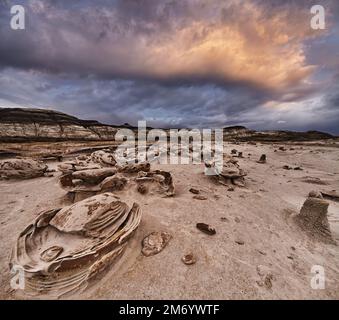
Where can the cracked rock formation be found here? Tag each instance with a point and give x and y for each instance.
(103, 158)
(155, 242)
(161, 180)
(82, 181)
(22, 169)
(64, 248)
(231, 173)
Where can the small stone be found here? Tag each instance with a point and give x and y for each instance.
(154, 243)
(195, 191)
(240, 242)
(313, 219)
(330, 195)
(142, 188)
(206, 228)
(268, 281)
(230, 189)
(237, 220)
(189, 259)
(315, 194)
(224, 219)
(266, 276)
(199, 197)
(262, 159)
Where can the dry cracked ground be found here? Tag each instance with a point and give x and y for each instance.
(258, 251)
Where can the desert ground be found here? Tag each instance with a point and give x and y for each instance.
(258, 251)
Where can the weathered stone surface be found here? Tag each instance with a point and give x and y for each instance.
(194, 191)
(103, 158)
(142, 188)
(162, 180)
(86, 180)
(205, 228)
(199, 197)
(189, 259)
(315, 194)
(22, 168)
(155, 242)
(135, 168)
(330, 195)
(231, 173)
(93, 176)
(262, 159)
(266, 277)
(63, 249)
(313, 219)
(113, 183)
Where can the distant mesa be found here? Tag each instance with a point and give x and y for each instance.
(241, 133)
(33, 125)
(235, 128)
(21, 124)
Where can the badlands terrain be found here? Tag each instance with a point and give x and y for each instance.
(83, 227)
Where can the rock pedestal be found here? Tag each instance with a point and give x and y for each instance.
(313, 219)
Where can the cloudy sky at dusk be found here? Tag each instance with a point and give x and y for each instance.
(175, 63)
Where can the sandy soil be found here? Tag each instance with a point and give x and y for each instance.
(258, 215)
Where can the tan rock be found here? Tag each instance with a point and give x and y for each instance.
(155, 242)
(63, 249)
(25, 168)
(313, 219)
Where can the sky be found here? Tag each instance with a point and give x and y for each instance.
(175, 63)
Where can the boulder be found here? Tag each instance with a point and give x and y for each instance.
(64, 248)
(230, 174)
(262, 159)
(313, 219)
(25, 168)
(103, 158)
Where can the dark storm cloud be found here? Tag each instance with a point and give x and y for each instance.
(172, 42)
(173, 63)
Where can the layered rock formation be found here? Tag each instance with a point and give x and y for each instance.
(18, 124)
(64, 248)
(23, 124)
